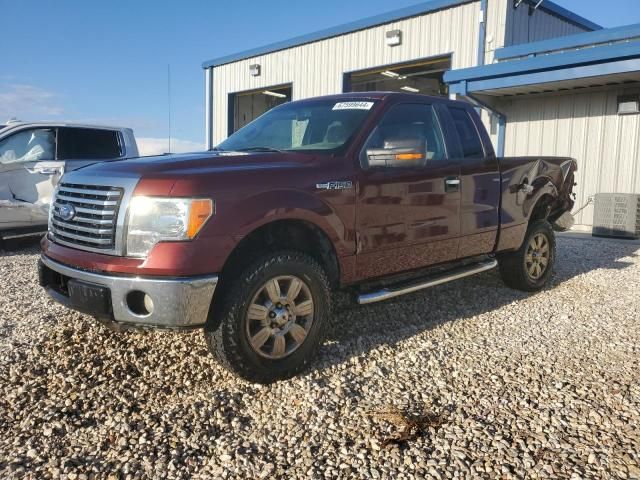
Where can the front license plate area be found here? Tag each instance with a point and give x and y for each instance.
(89, 297)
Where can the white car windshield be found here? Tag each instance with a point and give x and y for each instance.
(314, 125)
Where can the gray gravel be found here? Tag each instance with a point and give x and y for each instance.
(512, 386)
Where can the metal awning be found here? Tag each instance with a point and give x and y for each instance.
(573, 63)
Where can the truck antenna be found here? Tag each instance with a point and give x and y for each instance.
(169, 100)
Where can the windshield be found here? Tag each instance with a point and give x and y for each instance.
(315, 125)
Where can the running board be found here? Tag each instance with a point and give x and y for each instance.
(453, 274)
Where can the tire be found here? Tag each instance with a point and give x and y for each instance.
(525, 269)
(239, 335)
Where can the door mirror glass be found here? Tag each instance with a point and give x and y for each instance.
(399, 152)
(31, 145)
(408, 135)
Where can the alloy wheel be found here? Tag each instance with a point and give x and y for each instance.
(279, 317)
(536, 259)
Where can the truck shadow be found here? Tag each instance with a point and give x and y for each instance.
(357, 330)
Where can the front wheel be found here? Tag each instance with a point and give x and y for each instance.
(530, 267)
(273, 318)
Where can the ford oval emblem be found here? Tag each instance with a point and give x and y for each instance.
(67, 212)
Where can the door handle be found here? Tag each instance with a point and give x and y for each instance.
(452, 184)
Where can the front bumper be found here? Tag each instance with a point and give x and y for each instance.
(130, 301)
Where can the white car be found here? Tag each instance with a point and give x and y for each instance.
(33, 157)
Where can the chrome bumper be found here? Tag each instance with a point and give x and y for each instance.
(178, 303)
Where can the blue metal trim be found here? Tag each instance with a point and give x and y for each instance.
(482, 36)
(568, 15)
(231, 100)
(546, 63)
(482, 104)
(502, 131)
(571, 41)
(569, 73)
(407, 12)
(209, 108)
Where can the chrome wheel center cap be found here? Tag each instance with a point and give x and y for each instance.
(282, 316)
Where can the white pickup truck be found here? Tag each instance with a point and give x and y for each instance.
(33, 157)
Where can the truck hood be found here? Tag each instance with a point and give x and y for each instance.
(188, 164)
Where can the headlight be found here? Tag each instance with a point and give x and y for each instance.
(155, 219)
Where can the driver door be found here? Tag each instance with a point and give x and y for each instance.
(29, 172)
(408, 210)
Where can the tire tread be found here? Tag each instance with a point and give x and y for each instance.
(222, 339)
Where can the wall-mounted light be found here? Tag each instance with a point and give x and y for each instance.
(393, 37)
(254, 70)
(274, 94)
(628, 104)
(390, 74)
(407, 88)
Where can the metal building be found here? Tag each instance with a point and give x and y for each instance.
(413, 46)
(576, 96)
(455, 47)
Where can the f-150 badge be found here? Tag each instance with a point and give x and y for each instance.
(336, 185)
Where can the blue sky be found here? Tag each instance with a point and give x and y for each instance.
(106, 61)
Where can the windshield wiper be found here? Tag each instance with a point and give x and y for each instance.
(258, 149)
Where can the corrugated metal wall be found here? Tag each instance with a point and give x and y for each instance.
(522, 28)
(506, 26)
(585, 126)
(317, 68)
(496, 26)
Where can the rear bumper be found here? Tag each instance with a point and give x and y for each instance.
(130, 301)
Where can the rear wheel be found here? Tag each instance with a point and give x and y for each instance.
(530, 267)
(272, 319)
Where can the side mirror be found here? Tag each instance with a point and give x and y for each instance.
(399, 152)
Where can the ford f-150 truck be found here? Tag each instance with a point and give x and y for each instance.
(373, 194)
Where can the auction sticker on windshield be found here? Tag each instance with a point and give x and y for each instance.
(353, 106)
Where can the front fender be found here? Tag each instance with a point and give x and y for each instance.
(331, 211)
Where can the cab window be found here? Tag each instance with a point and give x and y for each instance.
(32, 145)
(88, 144)
(468, 133)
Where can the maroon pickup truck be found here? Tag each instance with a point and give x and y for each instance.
(374, 194)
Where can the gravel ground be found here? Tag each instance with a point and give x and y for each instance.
(469, 379)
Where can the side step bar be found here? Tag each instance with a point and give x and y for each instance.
(449, 276)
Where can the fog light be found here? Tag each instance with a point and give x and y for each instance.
(148, 303)
(139, 303)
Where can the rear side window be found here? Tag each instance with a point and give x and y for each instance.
(88, 144)
(468, 133)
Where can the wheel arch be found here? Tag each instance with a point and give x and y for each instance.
(281, 234)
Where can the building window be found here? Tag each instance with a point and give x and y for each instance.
(244, 107)
(423, 77)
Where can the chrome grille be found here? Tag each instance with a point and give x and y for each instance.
(93, 227)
